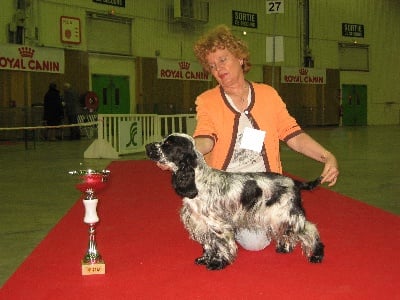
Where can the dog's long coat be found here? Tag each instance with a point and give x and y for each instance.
(216, 204)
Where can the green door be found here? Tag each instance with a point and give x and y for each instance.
(354, 104)
(113, 93)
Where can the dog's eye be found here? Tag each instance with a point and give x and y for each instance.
(167, 144)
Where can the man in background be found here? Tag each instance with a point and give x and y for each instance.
(72, 108)
(53, 111)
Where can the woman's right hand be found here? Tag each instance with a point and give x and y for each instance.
(163, 167)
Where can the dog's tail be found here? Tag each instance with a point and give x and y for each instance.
(310, 185)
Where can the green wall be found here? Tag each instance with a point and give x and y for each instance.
(153, 30)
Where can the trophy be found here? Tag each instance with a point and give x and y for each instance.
(92, 181)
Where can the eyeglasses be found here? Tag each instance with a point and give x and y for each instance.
(221, 62)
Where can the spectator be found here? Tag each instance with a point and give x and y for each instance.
(53, 110)
(72, 108)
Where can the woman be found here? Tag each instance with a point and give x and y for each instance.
(240, 123)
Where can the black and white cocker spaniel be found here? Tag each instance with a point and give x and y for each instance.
(216, 204)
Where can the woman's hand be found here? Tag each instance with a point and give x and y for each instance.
(306, 145)
(330, 172)
(163, 167)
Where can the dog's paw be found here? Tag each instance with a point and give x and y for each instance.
(318, 254)
(211, 263)
(283, 248)
(315, 259)
(216, 264)
(202, 260)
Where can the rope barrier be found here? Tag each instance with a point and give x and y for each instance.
(86, 124)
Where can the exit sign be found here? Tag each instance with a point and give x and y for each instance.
(352, 30)
(244, 19)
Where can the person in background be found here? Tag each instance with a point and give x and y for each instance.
(241, 123)
(72, 108)
(53, 110)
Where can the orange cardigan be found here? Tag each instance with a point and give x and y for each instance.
(218, 120)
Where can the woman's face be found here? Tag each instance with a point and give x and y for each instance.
(225, 67)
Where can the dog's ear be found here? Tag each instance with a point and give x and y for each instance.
(183, 180)
(189, 160)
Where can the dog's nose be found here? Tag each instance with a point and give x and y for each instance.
(149, 148)
(152, 151)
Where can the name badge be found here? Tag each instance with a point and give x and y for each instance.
(253, 139)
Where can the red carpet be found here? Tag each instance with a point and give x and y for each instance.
(148, 254)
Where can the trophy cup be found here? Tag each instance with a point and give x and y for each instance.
(92, 180)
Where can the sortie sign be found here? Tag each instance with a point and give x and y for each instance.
(244, 19)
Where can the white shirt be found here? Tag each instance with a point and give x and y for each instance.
(244, 160)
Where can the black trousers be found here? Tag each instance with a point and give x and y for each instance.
(75, 132)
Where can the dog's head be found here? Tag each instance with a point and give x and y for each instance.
(174, 151)
(177, 153)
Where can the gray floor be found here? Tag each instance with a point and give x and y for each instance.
(36, 190)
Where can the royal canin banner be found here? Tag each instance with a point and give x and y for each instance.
(303, 75)
(31, 59)
(181, 70)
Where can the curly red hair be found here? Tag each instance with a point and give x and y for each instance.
(221, 37)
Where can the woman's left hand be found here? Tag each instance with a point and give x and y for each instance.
(330, 172)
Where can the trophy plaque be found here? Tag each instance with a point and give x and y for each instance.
(91, 181)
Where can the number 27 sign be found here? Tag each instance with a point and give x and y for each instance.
(275, 7)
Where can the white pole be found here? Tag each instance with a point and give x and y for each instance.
(273, 51)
